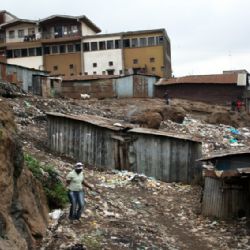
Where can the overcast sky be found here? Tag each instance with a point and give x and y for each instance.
(207, 36)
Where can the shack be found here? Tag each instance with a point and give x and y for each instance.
(107, 144)
(25, 77)
(215, 88)
(108, 86)
(227, 185)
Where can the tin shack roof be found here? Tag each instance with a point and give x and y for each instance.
(200, 79)
(224, 155)
(96, 120)
(163, 133)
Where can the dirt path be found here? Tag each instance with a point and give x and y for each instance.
(138, 213)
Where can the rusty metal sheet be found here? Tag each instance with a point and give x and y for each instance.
(140, 86)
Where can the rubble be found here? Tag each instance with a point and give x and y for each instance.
(129, 210)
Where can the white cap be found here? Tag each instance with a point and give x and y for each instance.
(78, 165)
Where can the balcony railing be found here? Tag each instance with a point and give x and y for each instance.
(41, 35)
(55, 35)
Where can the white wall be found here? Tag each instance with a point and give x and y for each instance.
(86, 30)
(8, 17)
(24, 27)
(35, 62)
(102, 57)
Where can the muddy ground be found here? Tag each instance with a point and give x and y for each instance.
(131, 211)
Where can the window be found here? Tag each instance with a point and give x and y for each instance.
(24, 52)
(104, 72)
(118, 44)
(143, 42)
(47, 50)
(11, 34)
(162, 68)
(126, 43)
(70, 48)
(135, 61)
(110, 44)
(152, 59)
(94, 65)
(20, 33)
(78, 47)
(9, 53)
(151, 41)
(55, 68)
(94, 73)
(54, 49)
(86, 47)
(62, 49)
(71, 66)
(160, 39)
(120, 72)
(38, 51)
(102, 45)
(94, 46)
(153, 68)
(110, 63)
(16, 53)
(85, 73)
(32, 51)
(134, 42)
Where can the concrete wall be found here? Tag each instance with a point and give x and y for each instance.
(102, 58)
(35, 62)
(143, 56)
(96, 89)
(63, 62)
(86, 30)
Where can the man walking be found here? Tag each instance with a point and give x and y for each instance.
(75, 181)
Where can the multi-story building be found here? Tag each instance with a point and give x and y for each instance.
(71, 45)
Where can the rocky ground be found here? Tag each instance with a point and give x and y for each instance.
(132, 211)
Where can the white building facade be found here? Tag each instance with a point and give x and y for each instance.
(102, 55)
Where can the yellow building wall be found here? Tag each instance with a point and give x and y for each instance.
(63, 62)
(143, 56)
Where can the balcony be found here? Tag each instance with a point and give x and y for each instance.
(58, 35)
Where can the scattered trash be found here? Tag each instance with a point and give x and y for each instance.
(56, 214)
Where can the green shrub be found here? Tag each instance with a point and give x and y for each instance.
(54, 189)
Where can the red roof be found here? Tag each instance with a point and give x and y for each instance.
(201, 79)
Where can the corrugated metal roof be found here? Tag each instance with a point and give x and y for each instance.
(224, 154)
(200, 79)
(162, 133)
(95, 120)
(88, 77)
(97, 77)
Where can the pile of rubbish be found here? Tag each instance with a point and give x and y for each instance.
(10, 90)
(215, 138)
(132, 211)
